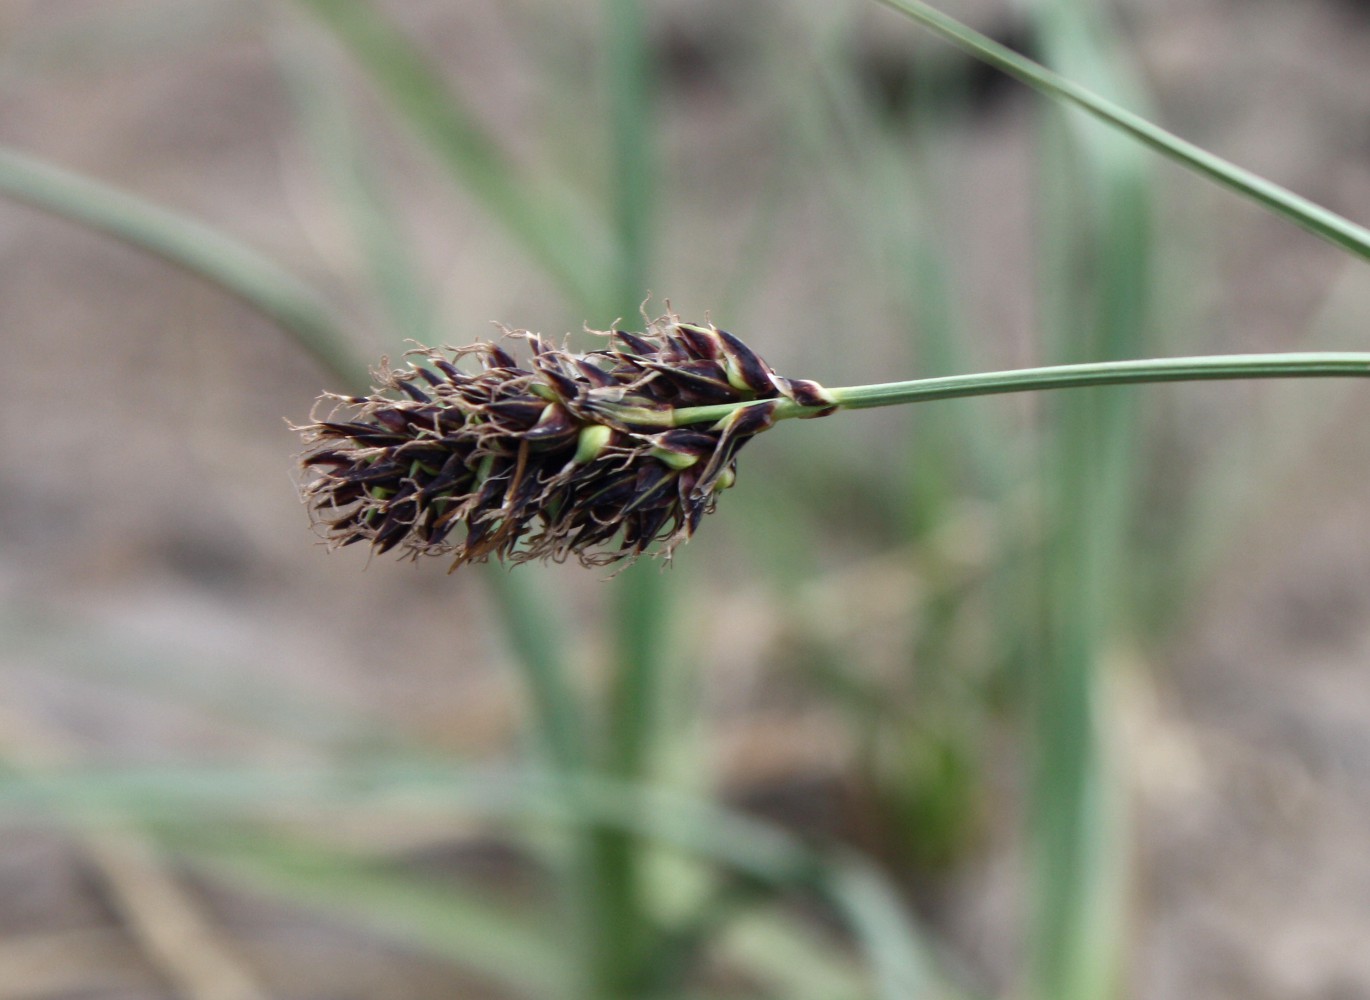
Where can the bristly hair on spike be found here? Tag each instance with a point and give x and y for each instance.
(570, 455)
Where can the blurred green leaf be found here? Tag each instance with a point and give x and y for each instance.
(625, 933)
(56, 641)
(1279, 200)
(442, 917)
(194, 246)
(192, 797)
(538, 645)
(378, 232)
(572, 249)
(1099, 227)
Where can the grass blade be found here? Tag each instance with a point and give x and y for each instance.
(789, 964)
(194, 246)
(1078, 864)
(444, 919)
(55, 640)
(567, 247)
(1313, 217)
(378, 235)
(903, 969)
(424, 788)
(640, 589)
(622, 932)
(535, 639)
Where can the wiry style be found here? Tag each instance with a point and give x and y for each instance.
(575, 454)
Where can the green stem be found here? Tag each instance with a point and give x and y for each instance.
(547, 227)
(618, 913)
(536, 639)
(1313, 217)
(1196, 369)
(189, 244)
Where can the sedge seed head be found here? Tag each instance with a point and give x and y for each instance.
(467, 453)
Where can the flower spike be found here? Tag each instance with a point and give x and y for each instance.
(574, 455)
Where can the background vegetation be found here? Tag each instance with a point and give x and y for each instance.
(1053, 697)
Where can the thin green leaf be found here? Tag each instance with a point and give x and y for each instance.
(419, 788)
(1299, 210)
(893, 947)
(189, 244)
(444, 918)
(537, 646)
(790, 961)
(622, 933)
(378, 234)
(1101, 289)
(630, 84)
(55, 640)
(640, 605)
(569, 248)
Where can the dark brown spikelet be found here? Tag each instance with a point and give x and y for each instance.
(572, 454)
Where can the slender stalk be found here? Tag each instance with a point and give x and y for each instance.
(1098, 284)
(549, 228)
(342, 157)
(1194, 369)
(535, 638)
(1299, 210)
(194, 246)
(620, 931)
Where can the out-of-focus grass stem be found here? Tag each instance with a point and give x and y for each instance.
(640, 592)
(621, 935)
(538, 650)
(1318, 220)
(189, 244)
(378, 235)
(1078, 864)
(570, 248)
